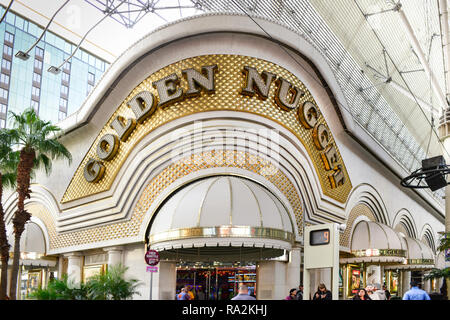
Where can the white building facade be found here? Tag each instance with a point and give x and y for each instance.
(215, 145)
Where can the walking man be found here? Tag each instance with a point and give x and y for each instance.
(415, 293)
(243, 294)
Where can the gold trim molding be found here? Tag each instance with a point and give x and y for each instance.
(379, 253)
(222, 232)
(111, 148)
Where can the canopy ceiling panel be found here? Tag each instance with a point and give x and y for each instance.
(365, 44)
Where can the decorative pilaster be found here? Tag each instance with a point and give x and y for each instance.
(75, 267)
(114, 255)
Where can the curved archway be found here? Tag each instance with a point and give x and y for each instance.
(404, 222)
(427, 235)
(368, 195)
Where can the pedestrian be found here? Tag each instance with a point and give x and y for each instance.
(183, 295)
(322, 293)
(386, 292)
(370, 290)
(415, 293)
(292, 294)
(243, 293)
(378, 293)
(201, 293)
(300, 292)
(361, 295)
(190, 293)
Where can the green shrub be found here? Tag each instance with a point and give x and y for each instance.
(109, 286)
(61, 289)
(112, 285)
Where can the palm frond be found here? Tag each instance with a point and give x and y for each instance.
(9, 180)
(444, 242)
(436, 273)
(42, 161)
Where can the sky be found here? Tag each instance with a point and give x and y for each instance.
(109, 38)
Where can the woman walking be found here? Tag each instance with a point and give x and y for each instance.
(292, 295)
(322, 293)
(361, 295)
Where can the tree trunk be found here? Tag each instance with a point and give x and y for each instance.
(15, 268)
(21, 216)
(4, 248)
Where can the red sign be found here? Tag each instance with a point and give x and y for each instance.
(152, 257)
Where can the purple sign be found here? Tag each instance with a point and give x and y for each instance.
(152, 269)
(152, 257)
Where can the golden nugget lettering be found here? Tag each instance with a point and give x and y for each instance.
(256, 84)
(144, 105)
(288, 97)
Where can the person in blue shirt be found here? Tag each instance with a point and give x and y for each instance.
(183, 295)
(243, 294)
(415, 293)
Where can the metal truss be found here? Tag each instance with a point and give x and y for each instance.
(132, 11)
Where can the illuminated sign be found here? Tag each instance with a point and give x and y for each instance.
(319, 237)
(144, 104)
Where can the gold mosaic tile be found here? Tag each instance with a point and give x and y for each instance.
(359, 210)
(155, 187)
(229, 82)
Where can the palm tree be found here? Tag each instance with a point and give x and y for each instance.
(8, 166)
(37, 144)
(444, 242)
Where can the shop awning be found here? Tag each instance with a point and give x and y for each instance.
(374, 242)
(225, 218)
(32, 239)
(419, 256)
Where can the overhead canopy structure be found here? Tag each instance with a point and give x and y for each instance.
(222, 217)
(419, 256)
(32, 247)
(388, 58)
(374, 242)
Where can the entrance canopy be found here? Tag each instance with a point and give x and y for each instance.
(32, 247)
(374, 242)
(420, 256)
(222, 218)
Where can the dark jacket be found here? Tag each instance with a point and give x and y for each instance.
(327, 293)
(357, 297)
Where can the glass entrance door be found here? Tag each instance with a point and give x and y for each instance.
(218, 282)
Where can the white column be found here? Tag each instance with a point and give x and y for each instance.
(427, 285)
(406, 281)
(164, 281)
(272, 280)
(60, 266)
(74, 268)
(293, 269)
(373, 275)
(114, 255)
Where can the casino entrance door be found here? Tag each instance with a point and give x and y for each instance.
(216, 281)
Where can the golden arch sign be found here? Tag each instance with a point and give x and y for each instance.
(211, 83)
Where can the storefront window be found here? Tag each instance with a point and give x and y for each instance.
(90, 271)
(355, 279)
(341, 282)
(209, 282)
(30, 281)
(392, 282)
